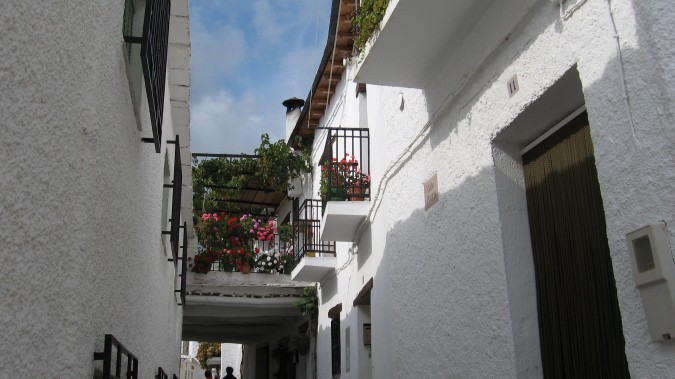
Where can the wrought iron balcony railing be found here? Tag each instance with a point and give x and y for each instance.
(345, 165)
(307, 229)
(276, 246)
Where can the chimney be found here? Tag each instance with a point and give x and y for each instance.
(293, 109)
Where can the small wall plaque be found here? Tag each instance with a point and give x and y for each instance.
(513, 86)
(430, 192)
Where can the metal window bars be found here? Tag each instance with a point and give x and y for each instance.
(345, 165)
(154, 49)
(307, 229)
(183, 267)
(128, 21)
(177, 187)
(114, 350)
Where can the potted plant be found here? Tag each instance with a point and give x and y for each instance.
(244, 258)
(287, 261)
(358, 185)
(267, 263)
(204, 260)
(343, 180)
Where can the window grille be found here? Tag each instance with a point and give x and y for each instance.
(176, 186)
(183, 267)
(154, 50)
(128, 22)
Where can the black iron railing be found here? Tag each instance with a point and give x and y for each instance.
(183, 267)
(307, 229)
(176, 187)
(161, 374)
(112, 353)
(277, 246)
(345, 165)
(154, 49)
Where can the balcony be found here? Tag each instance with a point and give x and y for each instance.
(314, 258)
(345, 183)
(412, 36)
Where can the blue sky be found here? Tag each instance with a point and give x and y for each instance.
(247, 57)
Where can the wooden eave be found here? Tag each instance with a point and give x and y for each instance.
(340, 45)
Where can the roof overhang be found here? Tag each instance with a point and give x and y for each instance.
(413, 34)
(339, 45)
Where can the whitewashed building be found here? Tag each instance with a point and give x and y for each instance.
(512, 147)
(91, 214)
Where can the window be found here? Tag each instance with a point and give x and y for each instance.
(334, 315)
(335, 344)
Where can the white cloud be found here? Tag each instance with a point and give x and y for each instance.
(225, 118)
(217, 54)
(265, 22)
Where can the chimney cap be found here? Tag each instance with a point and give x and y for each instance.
(293, 103)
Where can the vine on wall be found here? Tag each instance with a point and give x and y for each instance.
(366, 20)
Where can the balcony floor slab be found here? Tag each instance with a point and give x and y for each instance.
(313, 269)
(341, 218)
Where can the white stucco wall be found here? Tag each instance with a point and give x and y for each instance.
(80, 212)
(453, 291)
(230, 355)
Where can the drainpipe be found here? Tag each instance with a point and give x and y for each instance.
(293, 109)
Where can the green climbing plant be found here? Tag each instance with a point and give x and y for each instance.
(224, 178)
(366, 20)
(207, 350)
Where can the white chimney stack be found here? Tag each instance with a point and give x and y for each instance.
(293, 110)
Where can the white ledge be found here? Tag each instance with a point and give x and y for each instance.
(341, 218)
(313, 269)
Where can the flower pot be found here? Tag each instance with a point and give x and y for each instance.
(228, 267)
(359, 191)
(244, 268)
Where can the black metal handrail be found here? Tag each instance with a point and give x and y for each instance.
(161, 374)
(154, 50)
(307, 229)
(345, 165)
(177, 189)
(107, 357)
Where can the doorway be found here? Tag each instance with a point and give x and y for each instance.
(580, 329)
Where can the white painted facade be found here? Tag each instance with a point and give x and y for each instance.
(82, 204)
(453, 287)
(230, 355)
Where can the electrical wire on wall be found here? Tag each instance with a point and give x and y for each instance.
(622, 73)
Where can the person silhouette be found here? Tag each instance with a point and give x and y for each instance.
(229, 371)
